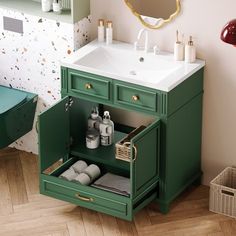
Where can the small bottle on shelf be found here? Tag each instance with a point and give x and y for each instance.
(101, 30)
(109, 32)
(94, 120)
(107, 130)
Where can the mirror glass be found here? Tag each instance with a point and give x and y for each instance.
(154, 13)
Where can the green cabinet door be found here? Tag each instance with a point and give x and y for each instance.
(145, 164)
(54, 134)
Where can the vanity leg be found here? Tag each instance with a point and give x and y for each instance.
(164, 208)
(198, 181)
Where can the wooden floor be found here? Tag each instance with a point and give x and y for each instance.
(23, 211)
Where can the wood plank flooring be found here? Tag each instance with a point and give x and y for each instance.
(24, 212)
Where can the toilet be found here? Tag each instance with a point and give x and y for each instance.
(17, 111)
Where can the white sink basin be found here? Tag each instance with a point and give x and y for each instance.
(120, 61)
(131, 64)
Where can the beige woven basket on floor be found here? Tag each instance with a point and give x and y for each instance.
(223, 193)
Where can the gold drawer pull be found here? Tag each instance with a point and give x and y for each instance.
(85, 199)
(88, 86)
(135, 98)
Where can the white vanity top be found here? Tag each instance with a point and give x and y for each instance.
(121, 62)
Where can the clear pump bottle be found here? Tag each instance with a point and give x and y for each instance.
(107, 130)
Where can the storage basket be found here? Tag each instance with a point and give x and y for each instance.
(223, 193)
(123, 150)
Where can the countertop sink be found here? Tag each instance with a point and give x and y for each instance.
(120, 61)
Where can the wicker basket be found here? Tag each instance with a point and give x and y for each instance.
(223, 193)
(123, 150)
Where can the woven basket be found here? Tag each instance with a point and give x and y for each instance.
(223, 193)
(123, 150)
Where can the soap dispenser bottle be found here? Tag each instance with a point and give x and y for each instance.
(109, 32)
(107, 130)
(101, 30)
(178, 49)
(190, 51)
(94, 120)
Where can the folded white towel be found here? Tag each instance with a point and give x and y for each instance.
(79, 166)
(83, 179)
(93, 171)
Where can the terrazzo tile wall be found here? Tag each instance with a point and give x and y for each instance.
(30, 61)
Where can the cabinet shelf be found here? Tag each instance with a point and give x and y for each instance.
(79, 10)
(103, 155)
(34, 8)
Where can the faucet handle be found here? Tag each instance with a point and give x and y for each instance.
(156, 50)
(136, 45)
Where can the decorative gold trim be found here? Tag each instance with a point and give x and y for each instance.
(178, 6)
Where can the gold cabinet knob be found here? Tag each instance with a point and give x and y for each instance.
(88, 86)
(135, 98)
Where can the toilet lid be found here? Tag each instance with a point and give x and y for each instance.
(10, 98)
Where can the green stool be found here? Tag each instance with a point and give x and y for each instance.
(17, 110)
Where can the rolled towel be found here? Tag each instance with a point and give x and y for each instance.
(92, 171)
(83, 179)
(69, 175)
(79, 166)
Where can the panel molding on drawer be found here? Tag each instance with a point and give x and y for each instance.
(89, 85)
(147, 100)
(57, 188)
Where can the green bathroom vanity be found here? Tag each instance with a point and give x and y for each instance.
(168, 157)
(17, 110)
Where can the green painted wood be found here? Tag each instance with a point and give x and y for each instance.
(54, 134)
(144, 203)
(100, 86)
(147, 100)
(146, 149)
(181, 150)
(103, 201)
(64, 80)
(103, 155)
(174, 138)
(10, 98)
(80, 9)
(149, 189)
(184, 92)
(17, 121)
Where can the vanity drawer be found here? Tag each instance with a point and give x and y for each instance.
(84, 85)
(137, 98)
(84, 196)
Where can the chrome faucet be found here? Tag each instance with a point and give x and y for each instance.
(146, 46)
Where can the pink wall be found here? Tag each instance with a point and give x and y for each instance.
(204, 20)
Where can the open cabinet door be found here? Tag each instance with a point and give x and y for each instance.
(145, 162)
(54, 133)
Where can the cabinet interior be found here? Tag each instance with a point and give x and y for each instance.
(104, 157)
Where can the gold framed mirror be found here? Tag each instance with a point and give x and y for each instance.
(154, 14)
